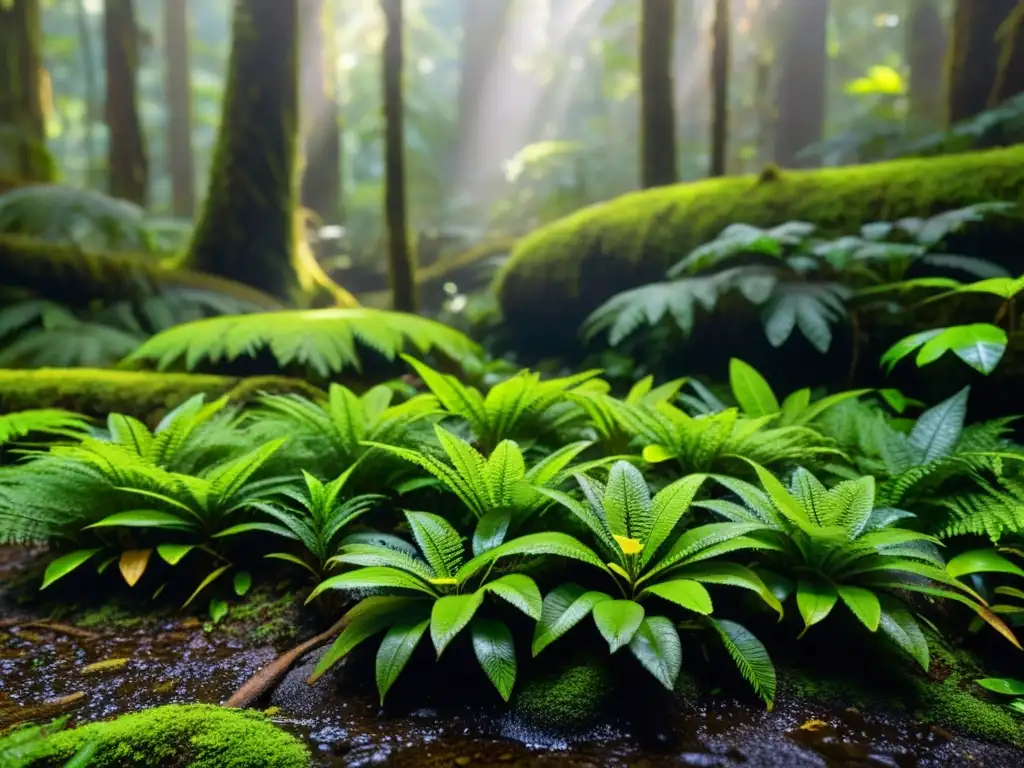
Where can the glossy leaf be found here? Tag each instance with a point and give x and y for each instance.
(564, 607)
(132, 564)
(495, 650)
(752, 392)
(750, 656)
(65, 564)
(618, 621)
(518, 590)
(395, 651)
(687, 593)
(815, 599)
(242, 583)
(863, 603)
(450, 615)
(656, 646)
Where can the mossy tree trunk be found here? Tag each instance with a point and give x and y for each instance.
(926, 43)
(321, 189)
(177, 71)
(247, 227)
(127, 167)
(402, 267)
(22, 109)
(803, 67)
(1010, 71)
(973, 59)
(659, 163)
(720, 62)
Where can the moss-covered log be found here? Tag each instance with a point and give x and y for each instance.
(147, 396)
(67, 273)
(559, 274)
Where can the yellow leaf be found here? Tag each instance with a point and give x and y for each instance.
(100, 666)
(655, 454)
(133, 564)
(627, 545)
(616, 568)
(814, 725)
(443, 582)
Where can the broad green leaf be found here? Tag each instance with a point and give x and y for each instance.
(519, 590)
(549, 543)
(733, 575)
(668, 507)
(752, 392)
(751, 658)
(495, 650)
(490, 530)
(981, 561)
(373, 576)
(656, 454)
(450, 615)
(618, 621)
(368, 617)
(938, 429)
(905, 346)
(899, 625)
(440, 543)
(210, 578)
(688, 593)
(218, 610)
(980, 345)
(277, 530)
(627, 502)
(142, 518)
(564, 607)
(1008, 686)
(242, 583)
(863, 603)
(395, 651)
(656, 646)
(65, 564)
(815, 599)
(173, 553)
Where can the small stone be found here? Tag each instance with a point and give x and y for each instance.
(942, 733)
(102, 666)
(463, 760)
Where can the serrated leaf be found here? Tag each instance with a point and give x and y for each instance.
(395, 651)
(518, 590)
(656, 645)
(751, 658)
(863, 603)
(564, 607)
(490, 530)
(495, 650)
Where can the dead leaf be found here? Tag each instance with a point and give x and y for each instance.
(813, 725)
(101, 666)
(133, 564)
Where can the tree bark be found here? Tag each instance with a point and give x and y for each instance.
(803, 65)
(973, 60)
(659, 164)
(22, 107)
(926, 42)
(247, 227)
(91, 94)
(400, 258)
(177, 72)
(320, 111)
(127, 167)
(1010, 71)
(720, 61)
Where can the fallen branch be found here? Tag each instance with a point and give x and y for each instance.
(269, 675)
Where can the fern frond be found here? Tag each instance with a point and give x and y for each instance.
(49, 421)
(325, 340)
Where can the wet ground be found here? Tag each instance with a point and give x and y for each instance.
(100, 671)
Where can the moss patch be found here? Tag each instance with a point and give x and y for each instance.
(560, 273)
(196, 735)
(566, 698)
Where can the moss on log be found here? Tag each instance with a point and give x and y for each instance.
(559, 274)
(147, 396)
(67, 273)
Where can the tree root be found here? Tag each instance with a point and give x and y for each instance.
(269, 675)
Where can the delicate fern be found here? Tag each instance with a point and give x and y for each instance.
(325, 340)
(47, 421)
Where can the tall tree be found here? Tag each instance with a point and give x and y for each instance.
(973, 59)
(402, 266)
(127, 166)
(803, 66)
(1010, 72)
(22, 109)
(720, 60)
(659, 163)
(177, 72)
(320, 111)
(926, 52)
(91, 95)
(247, 227)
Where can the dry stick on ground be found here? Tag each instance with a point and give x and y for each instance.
(268, 677)
(53, 626)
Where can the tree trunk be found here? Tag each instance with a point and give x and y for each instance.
(177, 72)
(1010, 71)
(803, 64)
(483, 31)
(926, 51)
(720, 60)
(246, 229)
(319, 112)
(127, 168)
(973, 59)
(659, 163)
(23, 156)
(400, 259)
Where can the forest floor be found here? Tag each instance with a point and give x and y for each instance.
(89, 663)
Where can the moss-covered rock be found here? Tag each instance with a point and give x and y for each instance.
(559, 274)
(196, 735)
(568, 697)
(147, 396)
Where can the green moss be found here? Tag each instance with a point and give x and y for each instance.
(264, 617)
(559, 274)
(197, 735)
(147, 396)
(566, 698)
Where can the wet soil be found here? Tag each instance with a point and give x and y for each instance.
(104, 670)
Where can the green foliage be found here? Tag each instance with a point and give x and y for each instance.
(16, 746)
(45, 421)
(324, 340)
